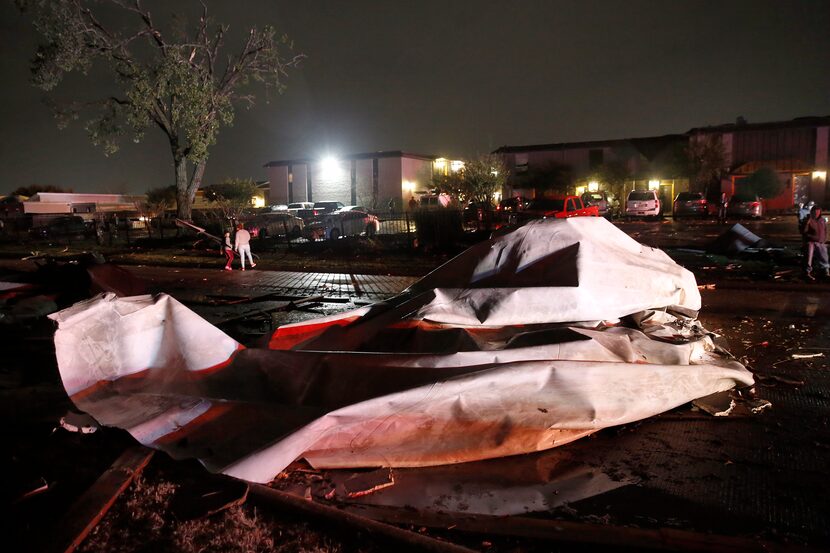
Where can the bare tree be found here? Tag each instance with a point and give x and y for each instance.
(181, 83)
(706, 158)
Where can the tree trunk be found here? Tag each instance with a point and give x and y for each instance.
(186, 188)
(183, 200)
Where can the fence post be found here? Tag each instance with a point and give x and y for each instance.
(408, 232)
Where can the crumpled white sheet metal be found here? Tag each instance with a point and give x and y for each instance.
(564, 270)
(151, 366)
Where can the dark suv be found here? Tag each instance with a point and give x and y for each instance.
(690, 203)
(70, 225)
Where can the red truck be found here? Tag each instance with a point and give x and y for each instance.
(560, 208)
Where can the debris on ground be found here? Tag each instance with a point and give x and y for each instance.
(719, 404)
(78, 422)
(773, 379)
(735, 240)
(361, 484)
(203, 497)
(806, 355)
(427, 378)
(758, 405)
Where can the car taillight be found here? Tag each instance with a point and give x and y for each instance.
(755, 204)
(700, 202)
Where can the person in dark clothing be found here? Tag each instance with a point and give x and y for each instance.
(815, 233)
(724, 203)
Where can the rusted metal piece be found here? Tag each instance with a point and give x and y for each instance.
(91, 507)
(402, 538)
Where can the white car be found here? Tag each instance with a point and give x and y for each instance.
(293, 208)
(343, 223)
(643, 203)
(276, 223)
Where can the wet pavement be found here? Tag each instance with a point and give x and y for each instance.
(254, 282)
(760, 476)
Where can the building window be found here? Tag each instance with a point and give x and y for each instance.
(521, 163)
(594, 158)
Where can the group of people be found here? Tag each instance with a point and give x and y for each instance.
(241, 244)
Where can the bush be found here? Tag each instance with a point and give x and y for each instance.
(765, 183)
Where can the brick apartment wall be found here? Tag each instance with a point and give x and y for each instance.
(299, 182)
(331, 185)
(389, 180)
(363, 174)
(278, 192)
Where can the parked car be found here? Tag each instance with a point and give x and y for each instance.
(276, 223)
(643, 203)
(599, 199)
(323, 208)
(434, 201)
(512, 205)
(745, 204)
(475, 211)
(342, 223)
(66, 225)
(293, 208)
(559, 208)
(690, 203)
(354, 208)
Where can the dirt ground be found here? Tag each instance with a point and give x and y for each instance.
(758, 477)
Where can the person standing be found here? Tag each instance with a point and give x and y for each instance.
(815, 233)
(804, 214)
(243, 245)
(227, 249)
(724, 203)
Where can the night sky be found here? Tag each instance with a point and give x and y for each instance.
(451, 78)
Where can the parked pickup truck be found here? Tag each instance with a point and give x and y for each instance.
(559, 208)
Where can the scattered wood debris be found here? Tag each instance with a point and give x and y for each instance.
(365, 483)
(719, 404)
(91, 507)
(806, 355)
(207, 496)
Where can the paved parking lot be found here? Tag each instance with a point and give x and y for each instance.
(255, 282)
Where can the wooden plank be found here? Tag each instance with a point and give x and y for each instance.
(605, 537)
(91, 507)
(403, 538)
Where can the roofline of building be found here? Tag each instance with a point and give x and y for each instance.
(808, 121)
(365, 155)
(583, 144)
